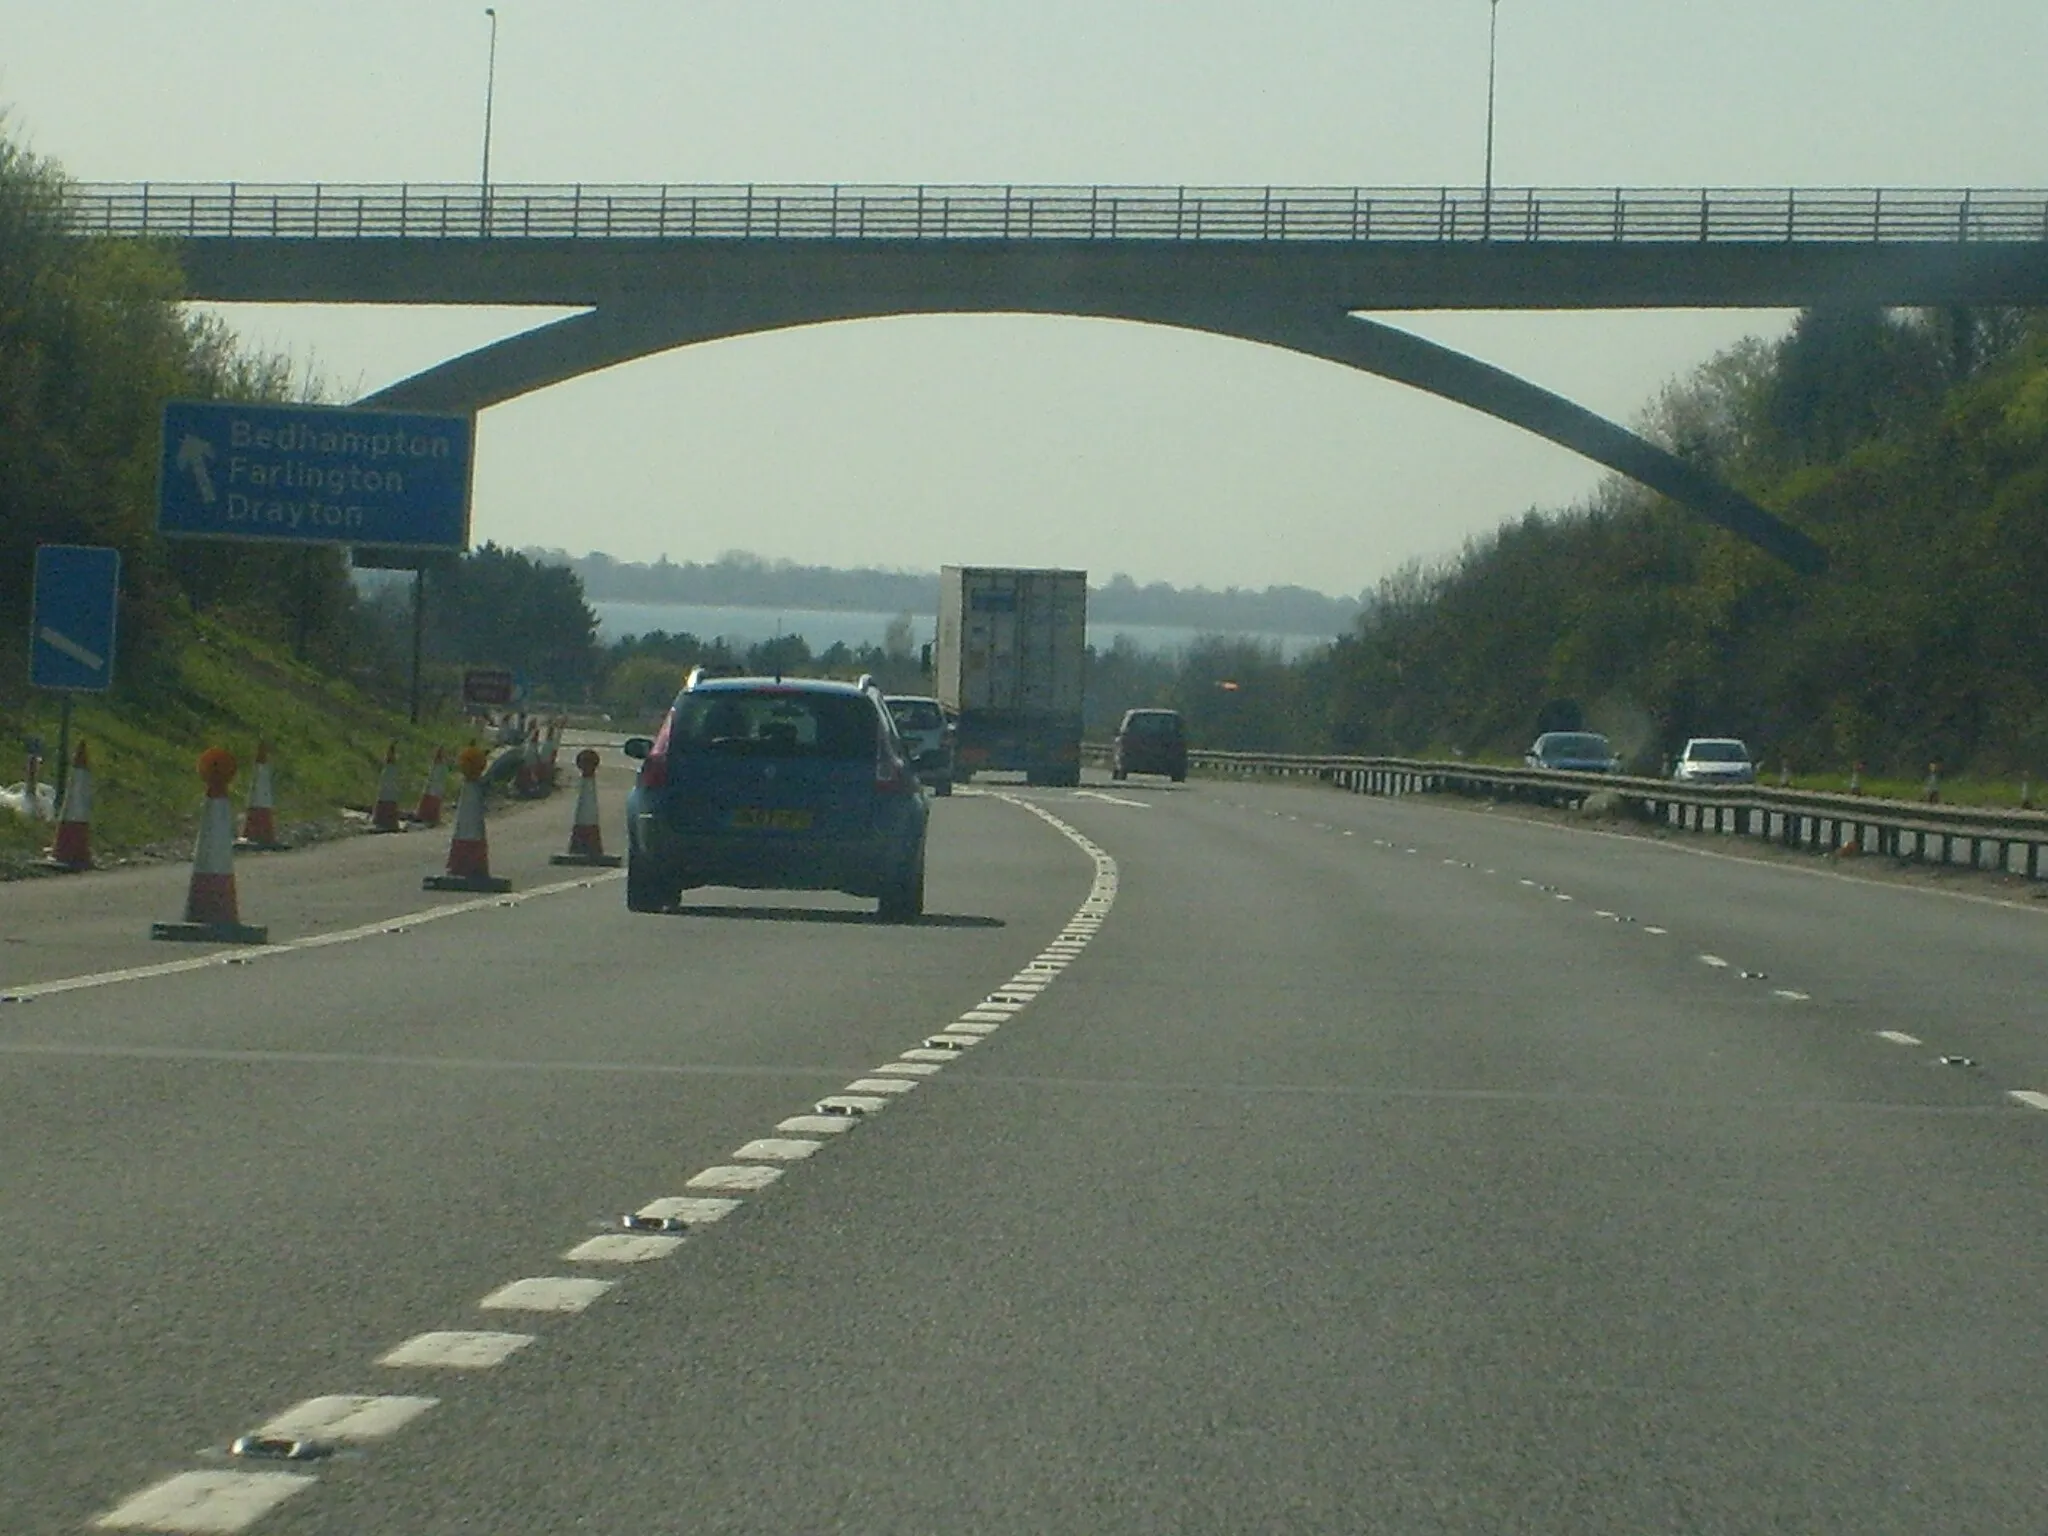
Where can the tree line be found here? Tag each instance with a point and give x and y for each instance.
(1912, 444)
(741, 579)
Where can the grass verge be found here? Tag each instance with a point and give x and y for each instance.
(327, 744)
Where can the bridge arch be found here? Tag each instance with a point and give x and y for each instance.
(624, 329)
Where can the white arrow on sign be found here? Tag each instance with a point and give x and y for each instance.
(194, 454)
(71, 648)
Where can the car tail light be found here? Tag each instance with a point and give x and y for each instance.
(892, 774)
(654, 767)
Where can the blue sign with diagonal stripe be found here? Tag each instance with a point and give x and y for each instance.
(314, 474)
(71, 621)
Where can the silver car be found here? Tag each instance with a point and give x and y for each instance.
(1714, 760)
(927, 736)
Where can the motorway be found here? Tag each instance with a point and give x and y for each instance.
(1301, 1162)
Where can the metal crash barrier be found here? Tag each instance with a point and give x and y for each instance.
(2009, 842)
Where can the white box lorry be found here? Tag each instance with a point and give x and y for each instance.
(1010, 659)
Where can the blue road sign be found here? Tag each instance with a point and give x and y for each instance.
(71, 623)
(314, 474)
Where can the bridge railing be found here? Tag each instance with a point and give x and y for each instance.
(1346, 214)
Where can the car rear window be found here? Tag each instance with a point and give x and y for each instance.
(1575, 746)
(775, 723)
(916, 715)
(1153, 723)
(1718, 752)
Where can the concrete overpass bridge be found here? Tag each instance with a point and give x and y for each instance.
(654, 268)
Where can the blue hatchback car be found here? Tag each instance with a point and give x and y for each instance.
(791, 784)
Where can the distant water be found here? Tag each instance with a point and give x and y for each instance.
(822, 628)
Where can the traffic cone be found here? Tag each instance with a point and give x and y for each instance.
(526, 782)
(210, 914)
(586, 839)
(469, 853)
(72, 848)
(428, 813)
(384, 814)
(259, 822)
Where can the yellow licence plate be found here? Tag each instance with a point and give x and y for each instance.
(777, 821)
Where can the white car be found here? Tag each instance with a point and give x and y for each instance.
(1714, 760)
(928, 735)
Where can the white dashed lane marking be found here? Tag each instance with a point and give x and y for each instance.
(779, 1149)
(691, 1211)
(1715, 961)
(623, 1248)
(347, 1419)
(751, 1177)
(546, 1293)
(816, 1125)
(2028, 1097)
(459, 1351)
(881, 1085)
(856, 1103)
(204, 1502)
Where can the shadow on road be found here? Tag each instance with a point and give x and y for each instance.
(834, 915)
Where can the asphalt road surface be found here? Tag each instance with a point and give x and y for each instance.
(1299, 1162)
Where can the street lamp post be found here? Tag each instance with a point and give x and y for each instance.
(1492, 51)
(490, 90)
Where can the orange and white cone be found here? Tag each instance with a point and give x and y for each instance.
(469, 851)
(211, 915)
(384, 814)
(72, 848)
(259, 821)
(428, 813)
(586, 837)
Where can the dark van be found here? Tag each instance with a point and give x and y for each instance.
(1150, 741)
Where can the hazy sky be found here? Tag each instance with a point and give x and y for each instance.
(914, 442)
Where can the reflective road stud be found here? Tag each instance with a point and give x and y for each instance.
(210, 911)
(469, 854)
(259, 821)
(586, 838)
(72, 849)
